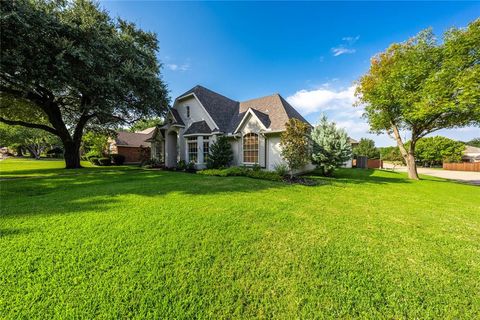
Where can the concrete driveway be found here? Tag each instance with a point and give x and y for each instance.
(462, 176)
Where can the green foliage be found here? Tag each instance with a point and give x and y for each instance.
(143, 124)
(34, 140)
(366, 148)
(405, 82)
(242, 171)
(422, 86)
(94, 143)
(474, 142)
(67, 66)
(181, 165)
(221, 154)
(433, 151)
(331, 146)
(295, 144)
(281, 169)
(109, 243)
(391, 154)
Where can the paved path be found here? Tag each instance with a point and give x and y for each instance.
(462, 176)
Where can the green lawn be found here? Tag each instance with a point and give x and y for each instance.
(122, 243)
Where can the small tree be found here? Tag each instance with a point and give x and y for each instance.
(331, 147)
(95, 143)
(221, 154)
(366, 148)
(295, 144)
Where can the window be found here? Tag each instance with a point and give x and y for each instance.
(188, 112)
(250, 148)
(192, 149)
(206, 148)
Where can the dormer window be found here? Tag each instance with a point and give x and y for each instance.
(188, 112)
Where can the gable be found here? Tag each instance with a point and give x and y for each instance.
(197, 112)
(251, 124)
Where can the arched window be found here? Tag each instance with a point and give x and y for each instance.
(250, 148)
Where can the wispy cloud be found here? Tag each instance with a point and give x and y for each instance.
(341, 50)
(346, 46)
(177, 67)
(351, 40)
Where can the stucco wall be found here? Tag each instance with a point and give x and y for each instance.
(274, 155)
(197, 113)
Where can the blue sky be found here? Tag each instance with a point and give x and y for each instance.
(309, 52)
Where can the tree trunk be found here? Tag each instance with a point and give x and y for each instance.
(72, 154)
(409, 156)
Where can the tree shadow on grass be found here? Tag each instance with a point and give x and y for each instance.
(361, 176)
(101, 190)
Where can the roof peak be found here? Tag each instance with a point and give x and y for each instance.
(276, 94)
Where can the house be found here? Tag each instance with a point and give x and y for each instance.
(471, 154)
(132, 145)
(200, 115)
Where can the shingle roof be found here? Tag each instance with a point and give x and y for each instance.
(146, 131)
(177, 117)
(274, 111)
(220, 108)
(278, 110)
(132, 139)
(263, 117)
(198, 127)
(471, 149)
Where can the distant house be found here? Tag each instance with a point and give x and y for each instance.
(471, 154)
(200, 115)
(132, 145)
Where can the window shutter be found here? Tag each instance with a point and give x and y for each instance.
(261, 150)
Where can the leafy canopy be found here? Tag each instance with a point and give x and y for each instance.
(436, 150)
(143, 124)
(421, 86)
(67, 66)
(331, 146)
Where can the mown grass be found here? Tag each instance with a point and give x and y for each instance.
(155, 244)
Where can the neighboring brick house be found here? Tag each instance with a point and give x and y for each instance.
(132, 145)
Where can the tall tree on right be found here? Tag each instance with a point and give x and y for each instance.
(420, 86)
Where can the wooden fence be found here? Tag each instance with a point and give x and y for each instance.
(364, 162)
(465, 166)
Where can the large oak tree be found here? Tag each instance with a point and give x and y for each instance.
(421, 86)
(66, 66)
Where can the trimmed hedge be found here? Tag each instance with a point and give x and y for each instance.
(117, 159)
(104, 162)
(242, 171)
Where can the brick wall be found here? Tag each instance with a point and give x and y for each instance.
(132, 154)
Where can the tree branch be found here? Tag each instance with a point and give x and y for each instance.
(29, 125)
